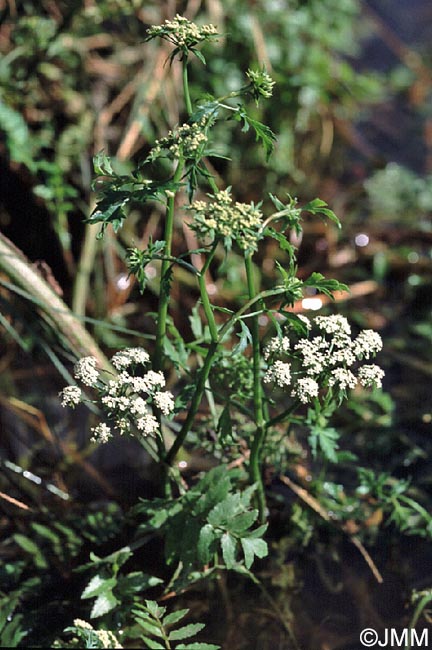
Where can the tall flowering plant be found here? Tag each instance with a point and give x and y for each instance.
(253, 369)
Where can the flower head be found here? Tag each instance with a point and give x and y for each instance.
(261, 84)
(126, 399)
(188, 141)
(280, 373)
(370, 376)
(85, 370)
(367, 344)
(241, 222)
(184, 34)
(70, 396)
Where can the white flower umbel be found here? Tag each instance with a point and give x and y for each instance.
(101, 433)
(70, 396)
(343, 378)
(371, 376)
(280, 373)
(147, 424)
(335, 324)
(276, 346)
(182, 33)
(127, 399)
(305, 390)
(164, 402)
(314, 354)
(367, 344)
(320, 363)
(85, 370)
(128, 357)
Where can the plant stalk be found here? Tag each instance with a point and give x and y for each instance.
(257, 442)
(194, 405)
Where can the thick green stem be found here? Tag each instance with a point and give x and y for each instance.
(194, 405)
(164, 293)
(257, 442)
(204, 295)
(186, 93)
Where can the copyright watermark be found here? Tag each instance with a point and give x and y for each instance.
(393, 638)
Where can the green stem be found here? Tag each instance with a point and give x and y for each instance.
(164, 293)
(194, 405)
(186, 92)
(257, 442)
(204, 295)
(427, 598)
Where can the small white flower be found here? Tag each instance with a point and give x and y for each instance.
(101, 433)
(344, 356)
(335, 324)
(344, 378)
(147, 424)
(367, 344)
(370, 376)
(138, 406)
(70, 396)
(164, 401)
(78, 622)
(314, 352)
(280, 373)
(276, 345)
(151, 381)
(305, 389)
(123, 425)
(85, 369)
(125, 358)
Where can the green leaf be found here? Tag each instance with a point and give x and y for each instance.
(328, 287)
(252, 547)
(206, 538)
(224, 511)
(225, 426)
(262, 132)
(199, 55)
(102, 164)
(174, 617)
(98, 585)
(229, 546)
(103, 604)
(198, 646)
(245, 339)
(149, 626)
(30, 547)
(186, 631)
(242, 522)
(152, 644)
(154, 609)
(326, 438)
(318, 206)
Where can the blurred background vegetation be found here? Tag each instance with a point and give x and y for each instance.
(352, 112)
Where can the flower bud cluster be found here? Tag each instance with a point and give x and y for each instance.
(182, 32)
(261, 83)
(187, 141)
(324, 360)
(240, 222)
(106, 638)
(126, 399)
